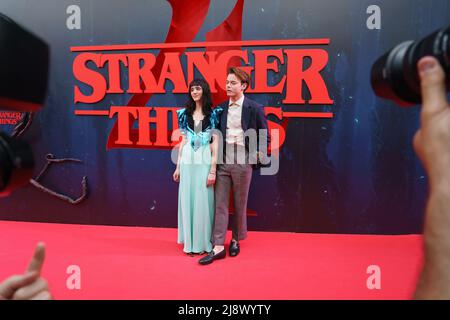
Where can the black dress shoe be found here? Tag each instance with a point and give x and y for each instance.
(234, 248)
(211, 257)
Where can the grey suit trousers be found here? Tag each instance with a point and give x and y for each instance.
(238, 177)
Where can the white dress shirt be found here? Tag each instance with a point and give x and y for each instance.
(235, 133)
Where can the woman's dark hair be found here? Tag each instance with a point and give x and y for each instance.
(206, 98)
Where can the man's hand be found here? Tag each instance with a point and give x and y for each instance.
(432, 145)
(432, 140)
(13, 283)
(28, 286)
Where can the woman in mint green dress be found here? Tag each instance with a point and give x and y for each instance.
(196, 168)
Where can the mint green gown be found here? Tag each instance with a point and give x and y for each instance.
(195, 199)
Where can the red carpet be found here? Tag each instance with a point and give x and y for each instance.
(146, 263)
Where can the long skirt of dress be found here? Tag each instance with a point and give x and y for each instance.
(195, 200)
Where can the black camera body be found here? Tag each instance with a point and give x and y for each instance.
(394, 75)
(24, 62)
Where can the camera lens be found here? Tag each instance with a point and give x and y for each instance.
(16, 163)
(394, 75)
(24, 60)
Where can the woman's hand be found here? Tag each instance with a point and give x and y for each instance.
(176, 175)
(211, 179)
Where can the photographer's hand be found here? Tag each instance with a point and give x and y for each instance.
(28, 286)
(432, 140)
(432, 145)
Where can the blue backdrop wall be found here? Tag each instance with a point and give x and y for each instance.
(353, 173)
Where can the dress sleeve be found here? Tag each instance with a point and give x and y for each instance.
(182, 120)
(215, 117)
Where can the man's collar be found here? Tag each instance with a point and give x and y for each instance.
(239, 102)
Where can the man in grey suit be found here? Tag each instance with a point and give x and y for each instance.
(244, 129)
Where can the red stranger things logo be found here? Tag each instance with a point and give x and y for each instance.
(99, 67)
(10, 117)
(148, 74)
